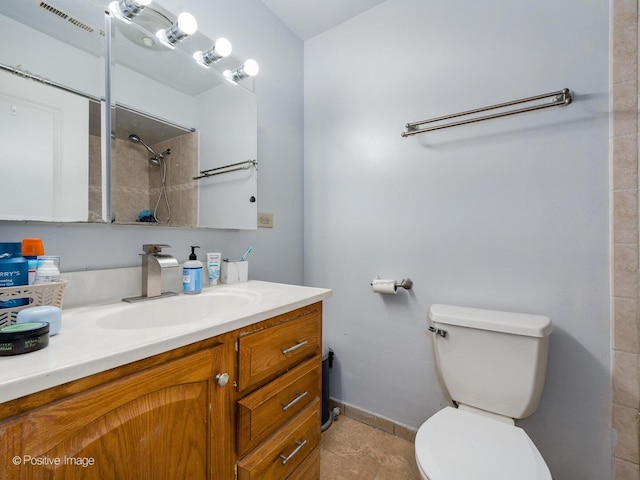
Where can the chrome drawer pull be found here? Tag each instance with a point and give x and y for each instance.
(295, 347)
(292, 454)
(299, 397)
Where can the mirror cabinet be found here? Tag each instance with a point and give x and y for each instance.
(181, 145)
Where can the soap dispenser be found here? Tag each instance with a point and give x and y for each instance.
(192, 274)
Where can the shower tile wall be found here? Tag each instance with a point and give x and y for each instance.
(136, 185)
(182, 166)
(625, 238)
(129, 180)
(95, 179)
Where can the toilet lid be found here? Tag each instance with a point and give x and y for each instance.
(460, 445)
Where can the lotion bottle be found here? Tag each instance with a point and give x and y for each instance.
(48, 271)
(192, 274)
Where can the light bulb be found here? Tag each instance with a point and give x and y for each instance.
(187, 23)
(220, 49)
(223, 47)
(251, 67)
(126, 10)
(228, 75)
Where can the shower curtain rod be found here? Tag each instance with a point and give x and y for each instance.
(25, 74)
(246, 165)
(561, 98)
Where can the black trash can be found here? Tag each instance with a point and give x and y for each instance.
(327, 364)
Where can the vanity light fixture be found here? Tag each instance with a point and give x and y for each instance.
(126, 10)
(250, 68)
(221, 48)
(185, 26)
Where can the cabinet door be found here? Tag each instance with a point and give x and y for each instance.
(154, 424)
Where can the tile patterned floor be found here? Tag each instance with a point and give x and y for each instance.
(351, 450)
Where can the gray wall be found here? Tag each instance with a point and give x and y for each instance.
(277, 253)
(508, 214)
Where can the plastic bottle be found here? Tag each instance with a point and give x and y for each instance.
(31, 249)
(48, 271)
(13, 271)
(192, 274)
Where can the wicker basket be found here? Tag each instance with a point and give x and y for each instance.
(42, 294)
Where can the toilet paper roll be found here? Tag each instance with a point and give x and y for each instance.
(386, 287)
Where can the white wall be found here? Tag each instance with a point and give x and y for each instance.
(508, 214)
(277, 253)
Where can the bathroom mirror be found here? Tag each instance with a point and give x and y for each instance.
(51, 148)
(51, 102)
(173, 119)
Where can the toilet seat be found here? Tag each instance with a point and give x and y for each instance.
(460, 445)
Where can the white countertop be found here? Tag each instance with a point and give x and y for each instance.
(89, 344)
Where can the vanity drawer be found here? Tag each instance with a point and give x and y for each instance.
(309, 469)
(265, 410)
(280, 455)
(269, 352)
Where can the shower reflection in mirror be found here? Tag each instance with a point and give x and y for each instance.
(157, 160)
(150, 171)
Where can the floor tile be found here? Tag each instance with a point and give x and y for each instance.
(351, 450)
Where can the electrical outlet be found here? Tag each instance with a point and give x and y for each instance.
(265, 220)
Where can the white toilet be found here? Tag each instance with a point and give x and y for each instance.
(493, 366)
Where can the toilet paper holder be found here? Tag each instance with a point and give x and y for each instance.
(405, 283)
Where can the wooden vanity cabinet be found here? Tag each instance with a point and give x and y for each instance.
(173, 416)
(161, 422)
(279, 397)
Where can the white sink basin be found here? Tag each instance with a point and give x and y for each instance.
(175, 311)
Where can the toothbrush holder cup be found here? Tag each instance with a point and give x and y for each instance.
(234, 271)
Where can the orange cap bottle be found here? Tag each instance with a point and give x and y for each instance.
(31, 248)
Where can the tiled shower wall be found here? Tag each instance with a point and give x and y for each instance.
(182, 190)
(136, 185)
(625, 238)
(95, 179)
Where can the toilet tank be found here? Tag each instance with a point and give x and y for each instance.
(492, 360)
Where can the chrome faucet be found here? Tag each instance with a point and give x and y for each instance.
(153, 261)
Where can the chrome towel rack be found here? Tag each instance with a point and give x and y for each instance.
(561, 98)
(246, 165)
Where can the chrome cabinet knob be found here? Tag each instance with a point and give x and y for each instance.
(222, 379)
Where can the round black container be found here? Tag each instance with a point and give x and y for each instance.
(23, 338)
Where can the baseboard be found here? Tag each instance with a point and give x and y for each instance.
(373, 420)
